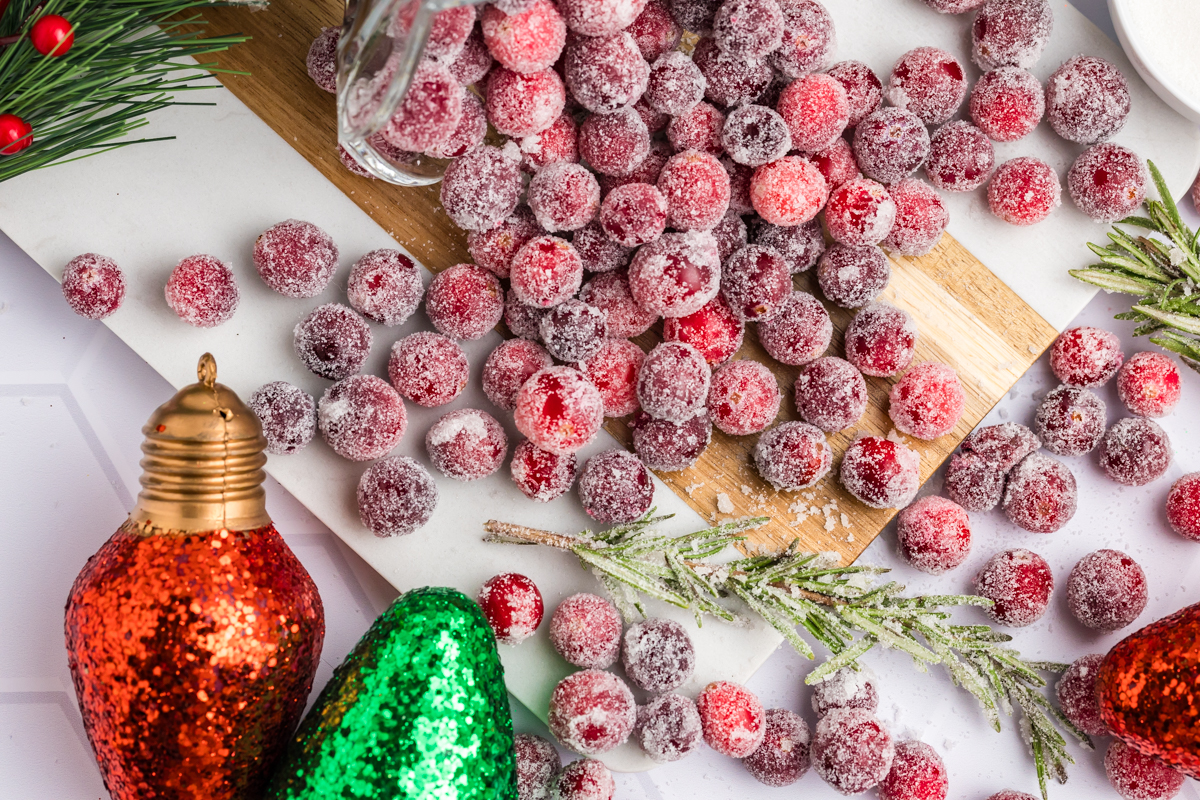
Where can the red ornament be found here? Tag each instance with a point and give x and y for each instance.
(14, 134)
(52, 35)
(1146, 686)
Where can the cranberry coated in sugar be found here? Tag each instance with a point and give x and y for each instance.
(591, 712)
(1106, 590)
(396, 496)
(512, 605)
(1019, 583)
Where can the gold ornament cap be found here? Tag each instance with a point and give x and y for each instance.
(203, 462)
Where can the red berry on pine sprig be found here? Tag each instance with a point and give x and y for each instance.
(15, 134)
(52, 35)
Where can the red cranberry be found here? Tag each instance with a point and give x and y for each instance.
(1019, 583)
(93, 285)
(696, 188)
(929, 82)
(1086, 357)
(559, 410)
(615, 143)
(921, 218)
(473, 61)
(676, 84)
(541, 475)
(673, 382)
(507, 368)
(466, 444)
(698, 128)
(667, 447)
(973, 482)
(613, 370)
(1148, 384)
(585, 779)
(836, 163)
(748, 28)
(792, 456)
(669, 728)
(573, 331)
(816, 110)
(558, 143)
(1136, 776)
(830, 394)
(1007, 103)
(385, 286)
(1024, 191)
(585, 630)
(961, 157)
(928, 401)
(591, 712)
(203, 291)
(615, 487)
(605, 73)
(1087, 100)
(808, 38)
(732, 717)
(755, 135)
(599, 17)
(564, 196)
(1076, 692)
(1070, 421)
(545, 272)
(597, 251)
(1107, 590)
(782, 758)
(755, 282)
(468, 134)
(634, 214)
(610, 293)
(465, 301)
(522, 320)
(881, 473)
(1041, 495)
(852, 750)
(744, 398)
(880, 340)
(321, 61)
(428, 369)
(538, 763)
(1183, 506)
(918, 773)
(527, 41)
(430, 111)
(800, 245)
(1002, 446)
(658, 655)
(1135, 451)
(288, 415)
(361, 418)
(953, 6)
(799, 332)
(715, 331)
(863, 88)
(396, 496)
(1010, 33)
(448, 33)
(1009, 794)
(860, 213)
(740, 176)
(654, 31)
(332, 341)
(731, 80)
(845, 688)
(512, 605)
(1107, 182)
(481, 189)
(788, 192)
(890, 144)
(934, 535)
(677, 274)
(852, 276)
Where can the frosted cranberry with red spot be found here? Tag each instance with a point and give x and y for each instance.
(559, 410)
(696, 188)
(522, 104)
(288, 415)
(557, 143)
(669, 728)
(585, 630)
(788, 192)
(732, 717)
(799, 332)
(730, 80)
(744, 398)
(973, 483)
(800, 245)
(731, 234)
(472, 63)
(928, 401)
(929, 82)
(698, 128)
(430, 111)
(667, 447)
(599, 17)
(508, 367)
(1135, 451)
(845, 688)
(1086, 357)
(890, 144)
(361, 418)
(538, 763)
(809, 40)
(755, 135)
(597, 252)
(332, 341)
(564, 196)
(715, 331)
(860, 213)
(755, 282)
(831, 394)
(1004, 445)
(541, 475)
(613, 369)
(610, 293)
(528, 41)
(585, 779)
(573, 330)
(512, 606)
(495, 248)
(961, 157)
(466, 444)
(675, 85)
(816, 110)
(634, 214)
(396, 496)
(917, 773)
(1107, 182)
(1148, 384)
(1076, 692)
(1024, 191)
(881, 473)
(295, 258)
(429, 369)
(658, 655)
(676, 274)
(1007, 103)
(864, 91)
(1041, 495)
(1136, 776)
(836, 163)
(385, 286)
(793, 456)
(1019, 583)
(321, 61)
(1011, 33)
(616, 143)
(522, 320)
(591, 712)
(673, 382)
(654, 31)
(748, 28)
(1106, 590)
(852, 750)
(740, 176)
(93, 285)
(782, 758)
(1183, 506)
(934, 535)
(464, 301)
(1070, 421)
(481, 189)
(605, 73)
(1087, 100)
(880, 340)
(921, 218)
(545, 272)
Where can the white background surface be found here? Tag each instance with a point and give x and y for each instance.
(74, 398)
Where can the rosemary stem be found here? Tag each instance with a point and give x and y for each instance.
(530, 535)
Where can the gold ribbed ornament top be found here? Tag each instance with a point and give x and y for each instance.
(202, 468)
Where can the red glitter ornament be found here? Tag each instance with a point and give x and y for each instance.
(332, 341)
(808, 38)
(1137, 776)
(15, 134)
(613, 370)
(361, 418)
(961, 157)
(429, 369)
(1024, 191)
(585, 630)
(1011, 33)
(1076, 693)
(559, 410)
(934, 535)
(1135, 451)
(1070, 421)
(792, 456)
(676, 274)
(657, 655)
(890, 144)
(1041, 495)
(831, 394)
(852, 750)
(385, 286)
(845, 688)
(203, 291)
(788, 192)
(929, 82)
(545, 272)
(918, 773)
(93, 285)
(592, 712)
(881, 473)
(1007, 103)
(1019, 583)
(464, 301)
(1183, 506)
(52, 35)
(295, 258)
(1148, 384)
(744, 398)
(512, 605)
(1086, 357)
(921, 218)
(541, 475)
(396, 496)
(1087, 100)
(669, 728)
(1107, 590)
(864, 91)
(782, 758)
(732, 717)
(880, 340)
(667, 447)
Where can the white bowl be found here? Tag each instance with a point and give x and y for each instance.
(1161, 62)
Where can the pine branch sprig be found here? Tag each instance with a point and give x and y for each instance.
(845, 609)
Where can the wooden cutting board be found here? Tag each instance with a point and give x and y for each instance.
(967, 317)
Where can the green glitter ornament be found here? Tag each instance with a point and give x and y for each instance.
(417, 711)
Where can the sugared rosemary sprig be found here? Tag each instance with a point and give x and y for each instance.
(846, 609)
(1163, 271)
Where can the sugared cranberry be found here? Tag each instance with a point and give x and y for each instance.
(430, 111)
(556, 144)
(1183, 506)
(613, 370)
(564, 196)
(808, 38)
(585, 630)
(467, 444)
(605, 73)
(928, 401)
(522, 320)
(800, 245)
(799, 332)
(385, 286)
(831, 394)
(545, 272)
(1135, 451)
(573, 331)
(1076, 692)
(782, 758)
(597, 252)
(468, 134)
(465, 301)
(321, 61)
(755, 135)
(880, 340)
(523, 104)
(396, 496)
(528, 41)
(634, 214)
(673, 382)
(482, 188)
(541, 475)
(836, 163)
(852, 276)
(1136, 776)
(864, 91)
(677, 274)
(1024, 191)
(495, 248)
(749, 28)
(730, 80)
(1070, 421)
(1107, 182)
(731, 234)
(732, 717)
(860, 213)
(332, 341)
(676, 84)
(1041, 495)
(669, 728)
(1007, 103)
(507, 368)
(288, 415)
(1019, 583)
(921, 218)
(614, 143)
(203, 291)
(744, 398)
(918, 773)
(615, 487)
(610, 293)
(591, 712)
(559, 410)
(852, 750)
(973, 483)
(740, 176)
(658, 655)
(934, 534)
(816, 110)
(698, 128)
(961, 157)
(881, 473)
(890, 144)
(845, 688)
(512, 605)
(1002, 446)
(654, 31)
(1087, 100)
(929, 82)
(93, 285)
(755, 282)
(667, 447)
(1086, 357)
(599, 17)
(788, 192)
(792, 456)
(953, 6)
(585, 779)
(448, 33)
(429, 369)
(1010, 33)
(473, 62)
(1106, 590)
(696, 188)
(1010, 794)
(1148, 384)
(538, 763)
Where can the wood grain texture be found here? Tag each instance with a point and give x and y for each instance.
(967, 317)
